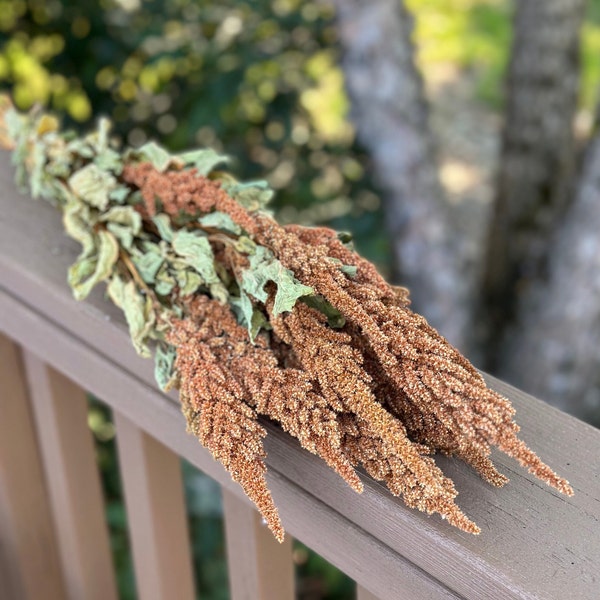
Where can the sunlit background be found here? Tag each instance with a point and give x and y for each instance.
(261, 81)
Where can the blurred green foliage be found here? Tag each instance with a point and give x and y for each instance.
(259, 80)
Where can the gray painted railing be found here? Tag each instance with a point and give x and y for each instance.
(534, 543)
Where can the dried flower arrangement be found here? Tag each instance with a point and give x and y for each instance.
(250, 318)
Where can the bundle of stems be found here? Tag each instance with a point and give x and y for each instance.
(248, 318)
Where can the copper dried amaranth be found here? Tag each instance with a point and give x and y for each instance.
(250, 318)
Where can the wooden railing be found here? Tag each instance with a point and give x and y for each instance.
(53, 537)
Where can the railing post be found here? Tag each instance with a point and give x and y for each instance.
(29, 564)
(68, 453)
(259, 567)
(156, 514)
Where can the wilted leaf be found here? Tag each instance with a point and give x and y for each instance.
(93, 186)
(253, 195)
(188, 281)
(164, 282)
(119, 194)
(47, 124)
(89, 271)
(138, 312)
(163, 224)
(222, 221)
(109, 160)
(204, 160)
(124, 223)
(335, 318)
(155, 154)
(149, 263)
(197, 253)
(164, 366)
(248, 315)
(264, 267)
(78, 223)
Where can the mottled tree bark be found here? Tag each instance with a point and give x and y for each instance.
(391, 117)
(537, 160)
(554, 350)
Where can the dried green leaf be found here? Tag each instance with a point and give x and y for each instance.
(124, 223)
(156, 155)
(109, 160)
(204, 161)
(99, 139)
(78, 222)
(349, 270)
(164, 281)
(197, 253)
(37, 173)
(80, 148)
(253, 195)
(245, 245)
(188, 281)
(89, 271)
(138, 312)
(335, 318)
(164, 366)
(248, 315)
(222, 221)
(93, 186)
(148, 263)
(120, 194)
(163, 224)
(264, 267)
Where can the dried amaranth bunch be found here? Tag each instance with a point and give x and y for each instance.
(250, 318)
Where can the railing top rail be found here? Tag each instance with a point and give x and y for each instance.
(535, 543)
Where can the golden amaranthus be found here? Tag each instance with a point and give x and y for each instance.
(250, 318)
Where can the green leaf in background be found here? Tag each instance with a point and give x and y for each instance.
(138, 312)
(264, 267)
(93, 185)
(88, 271)
(164, 366)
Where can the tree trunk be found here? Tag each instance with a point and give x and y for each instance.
(554, 351)
(537, 159)
(391, 117)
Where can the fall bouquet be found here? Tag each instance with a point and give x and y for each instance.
(248, 318)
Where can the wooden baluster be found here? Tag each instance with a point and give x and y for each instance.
(156, 514)
(29, 562)
(259, 567)
(68, 454)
